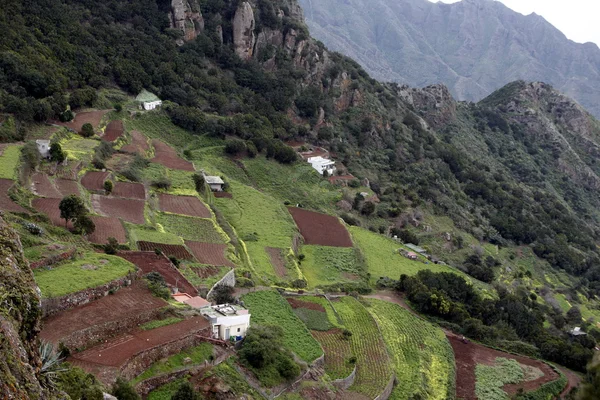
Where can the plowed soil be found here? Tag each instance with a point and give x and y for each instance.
(123, 303)
(223, 195)
(129, 190)
(320, 229)
(296, 303)
(167, 156)
(206, 271)
(42, 186)
(67, 187)
(470, 354)
(209, 253)
(107, 227)
(184, 205)
(277, 261)
(129, 210)
(50, 208)
(139, 143)
(6, 204)
(149, 262)
(94, 180)
(92, 117)
(169, 250)
(113, 131)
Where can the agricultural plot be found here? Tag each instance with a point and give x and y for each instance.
(182, 182)
(167, 156)
(69, 170)
(383, 258)
(129, 190)
(67, 187)
(269, 308)
(6, 204)
(107, 227)
(169, 250)
(113, 131)
(152, 262)
(210, 253)
(138, 144)
(277, 261)
(9, 160)
(94, 180)
(202, 275)
(491, 378)
(312, 314)
(326, 265)
(139, 233)
(92, 270)
(50, 208)
(184, 205)
(320, 229)
(78, 148)
(43, 186)
(130, 210)
(91, 117)
(422, 357)
(189, 228)
(373, 370)
(338, 352)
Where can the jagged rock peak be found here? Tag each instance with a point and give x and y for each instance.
(186, 16)
(243, 31)
(435, 103)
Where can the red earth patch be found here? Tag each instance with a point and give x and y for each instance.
(67, 187)
(42, 186)
(223, 195)
(129, 190)
(320, 229)
(129, 210)
(184, 205)
(50, 208)
(113, 131)
(296, 303)
(169, 250)
(210, 253)
(91, 117)
(167, 156)
(6, 204)
(94, 180)
(107, 227)
(277, 261)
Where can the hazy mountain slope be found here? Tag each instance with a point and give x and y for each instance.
(474, 46)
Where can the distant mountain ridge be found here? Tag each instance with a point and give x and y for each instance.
(474, 46)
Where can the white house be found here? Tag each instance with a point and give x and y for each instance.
(151, 105)
(577, 332)
(227, 321)
(43, 147)
(215, 182)
(321, 164)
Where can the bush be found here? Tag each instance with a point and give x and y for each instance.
(235, 146)
(87, 130)
(162, 183)
(175, 261)
(185, 392)
(118, 107)
(122, 390)
(33, 228)
(157, 285)
(223, 294)
(111, 246)
(56, 153)
(108, 187)
(199, 182)
(79, 385)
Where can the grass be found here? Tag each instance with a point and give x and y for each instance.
(160, 322)
(77, 147)
(72, 277)
(491, 379)
(197, 354)
(228, 374)
(190, 228)
(158, 125)
(182, 182)
(373, 363)
(9, 160)
(326, 265)
(167, 391)
(383, 259)
(137, 234)
(421, 355)
(269, 308)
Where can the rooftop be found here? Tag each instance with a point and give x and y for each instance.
(146, 96)
(41, 141)
(196, 301)
(225, 310)
(416, 248)
(214, 180)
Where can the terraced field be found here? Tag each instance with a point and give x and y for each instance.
(189, 228)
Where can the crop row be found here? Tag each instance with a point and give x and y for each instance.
(338, 353)
(421, 355)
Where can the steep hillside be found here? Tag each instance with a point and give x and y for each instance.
(473, 46)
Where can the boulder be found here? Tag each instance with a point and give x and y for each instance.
(243, 31)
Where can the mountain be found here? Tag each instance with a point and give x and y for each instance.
(473, 46)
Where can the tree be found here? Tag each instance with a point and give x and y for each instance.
(30, 155)
(122, 390)
(111, 246)
(185, 392)
(71, 207)
(223, 294)
(84, 224)
(118, 107)
(108, 186)
(574, 315)
(87, 130)
(56, 153)
(368, 208)
(199, 182)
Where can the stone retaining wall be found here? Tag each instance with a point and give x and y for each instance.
(388, 389)
(345, 383)
(52, 259)
(227, 280)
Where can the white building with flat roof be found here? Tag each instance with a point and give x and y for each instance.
(227, 321)
(215, 182)
(151, 105)
(43, 147)
(321, 164)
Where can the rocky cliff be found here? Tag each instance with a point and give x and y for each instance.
(474, 46)
(19, 323)
(185, 16)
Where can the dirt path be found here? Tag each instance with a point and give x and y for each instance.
(574, 380)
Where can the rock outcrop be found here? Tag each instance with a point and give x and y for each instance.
(435, 103)
(185, 15)
(20, 315)
(244, 37)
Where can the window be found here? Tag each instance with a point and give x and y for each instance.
(239, 329)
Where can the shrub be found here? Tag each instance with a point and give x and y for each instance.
(122, 390)
(87, 130)
(175, 261)
(199, 182)
(33, 228)
(108, 187)
(346, 334)
(223, 294)
(162, 183)
(111, 246)
(235, 146)
(157, 285)
(56, 153)
(118, 107)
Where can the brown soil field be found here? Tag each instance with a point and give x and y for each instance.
(209, 253)
(169, 250)
(67, 187)
(107, 227)
(296, 303)
(320, 229)
(139, 143)
(42, 186)
(113, 131)
(206, 271)
(129, 190)
(6, 204)
(50, 208)
(94, 180)
(118, 161)
(70, 170)
(92, 117)
(149, 262)
(223, 195)
(136, 298)
(167, 156)
(468, 355)
(130, 210)
(184, 205)
(277, 261)
(117, 351)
